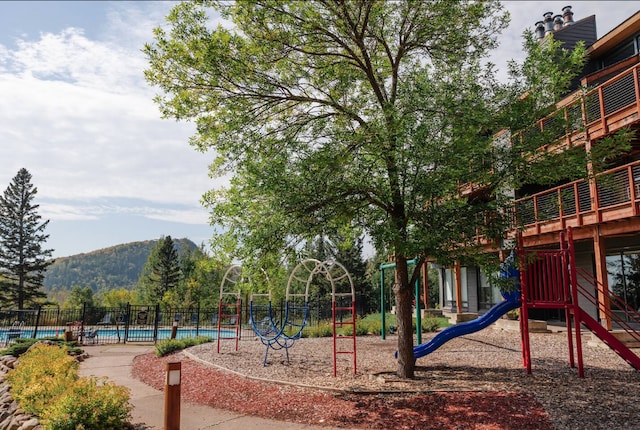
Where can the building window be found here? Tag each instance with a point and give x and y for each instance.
(623, 272)
(625, 50)
(488, 295)
(448, 276)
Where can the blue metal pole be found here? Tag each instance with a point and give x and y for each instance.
(418, 316)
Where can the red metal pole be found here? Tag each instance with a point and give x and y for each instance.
(575, 304)
(333, 324)
(218, 322)
(353, 319)
(238, 320)
(566, 262)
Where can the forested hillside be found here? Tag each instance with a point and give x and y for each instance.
(105, 269)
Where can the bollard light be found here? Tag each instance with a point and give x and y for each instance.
(172, 396)
(173, 377)
(174, 329)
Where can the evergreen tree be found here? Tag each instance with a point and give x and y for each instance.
(161, 275)
(23, 261)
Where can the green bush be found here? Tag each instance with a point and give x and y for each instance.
(375, 327)
(362, 328)
(22, 344)
(43, 373)
(323, 329)
(168, 346)
(45, 383)
(89, 404)
(430, 324)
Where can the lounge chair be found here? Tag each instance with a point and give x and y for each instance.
(93, 335)
(108, 319)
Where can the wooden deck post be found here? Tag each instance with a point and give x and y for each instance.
(601, 275)
(458, 276)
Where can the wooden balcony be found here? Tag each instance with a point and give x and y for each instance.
(612, 196)
(601, 111)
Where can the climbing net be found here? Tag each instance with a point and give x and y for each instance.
(281, 330)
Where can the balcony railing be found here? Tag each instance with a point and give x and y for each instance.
(601, 111)
(612, 195)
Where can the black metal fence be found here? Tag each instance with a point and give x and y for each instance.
(131, 323)
(93, 325)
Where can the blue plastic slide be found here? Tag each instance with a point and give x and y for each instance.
(468, 327)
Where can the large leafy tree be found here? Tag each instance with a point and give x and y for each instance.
(161, 275)
(365, 113)
(23, 260)
(200, 277)
(80, 297)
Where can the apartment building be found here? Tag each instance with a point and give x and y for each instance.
(602, 211)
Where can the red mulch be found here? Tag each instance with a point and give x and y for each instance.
(438, 410)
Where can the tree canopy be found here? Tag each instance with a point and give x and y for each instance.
(365, 114)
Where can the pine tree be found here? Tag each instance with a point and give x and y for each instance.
(23, 261)
(162, 273)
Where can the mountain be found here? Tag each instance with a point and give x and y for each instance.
(109, 268)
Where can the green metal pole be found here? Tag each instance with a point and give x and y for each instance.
(382, 310)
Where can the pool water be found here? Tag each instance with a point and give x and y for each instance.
(133, 334)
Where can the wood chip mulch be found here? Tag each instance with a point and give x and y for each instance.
(438, 410)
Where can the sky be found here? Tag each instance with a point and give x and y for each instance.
(76, 112)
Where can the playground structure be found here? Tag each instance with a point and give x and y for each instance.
(281, 333)
(550, 279)
(228, 320)
(421, 280)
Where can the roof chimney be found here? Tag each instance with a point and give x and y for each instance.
(557, 22)
(540, 30)
(548, 22)
(567, 15)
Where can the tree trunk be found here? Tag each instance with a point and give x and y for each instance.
(404, 295)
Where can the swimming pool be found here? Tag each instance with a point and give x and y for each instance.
(116, 335)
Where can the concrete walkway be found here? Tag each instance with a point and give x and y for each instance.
(115, 362)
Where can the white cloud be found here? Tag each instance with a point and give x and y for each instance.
(71, 57)
(77, 113)
(79, 116)
(94, 210)
(187, 216)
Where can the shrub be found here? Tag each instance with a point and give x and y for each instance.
(168, 346)
(22, 345)
(89, 404)
(323, 329)
(45, 383)
(430, 324)
(43, 373)
(362, 328)
(375, 327)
